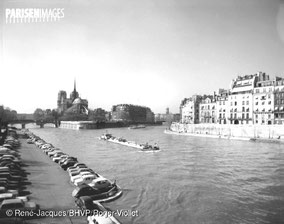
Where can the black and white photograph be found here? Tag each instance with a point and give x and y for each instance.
(142, 111)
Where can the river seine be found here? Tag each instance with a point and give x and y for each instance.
(191, 180)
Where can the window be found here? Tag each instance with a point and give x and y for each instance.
(236, 103)
(256, 103)
(269, 102)
(243, 102)
(257, 91)
(247, 102)
(247, 115)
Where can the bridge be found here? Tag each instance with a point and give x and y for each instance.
(41, 123)
(24, 119)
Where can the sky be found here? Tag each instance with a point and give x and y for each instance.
(144, 52)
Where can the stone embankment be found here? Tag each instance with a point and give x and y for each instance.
(265, 133)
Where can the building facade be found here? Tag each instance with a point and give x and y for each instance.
(263, 100)
(132, 113)
(222, 105)
(190, 109)
(279, 101)
(207, 110)
(241, 99)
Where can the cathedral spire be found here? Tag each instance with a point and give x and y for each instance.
(75, 85)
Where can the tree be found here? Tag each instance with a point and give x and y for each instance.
(7, 115)
(39, 114)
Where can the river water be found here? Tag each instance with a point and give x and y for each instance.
(191, 180)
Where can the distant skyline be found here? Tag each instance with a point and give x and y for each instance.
(146, 52)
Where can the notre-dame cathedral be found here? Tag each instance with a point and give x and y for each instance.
(74, 104)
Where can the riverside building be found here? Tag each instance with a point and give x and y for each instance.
(190, 109)
(222, 106)
(132, 113)
(263, 100)
(240, 100)
(251, 99)
(279, 101)
(208, 109)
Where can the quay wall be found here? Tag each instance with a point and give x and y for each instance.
(227, 130)
(77, 125)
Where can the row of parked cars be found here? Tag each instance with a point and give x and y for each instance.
(13, 180)
(91, 188)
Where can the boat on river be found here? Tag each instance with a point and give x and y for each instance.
(137, 126)
(122, 141)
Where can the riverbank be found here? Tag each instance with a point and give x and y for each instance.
(242, 138)
(231, 131)
(50, 186)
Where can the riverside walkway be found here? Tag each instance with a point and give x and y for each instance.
(50, 187)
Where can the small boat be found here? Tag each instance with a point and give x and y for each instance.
(123, 141)
(137, 126)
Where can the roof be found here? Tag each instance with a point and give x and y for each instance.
(12, 201)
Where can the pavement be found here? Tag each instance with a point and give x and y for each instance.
(50, 187)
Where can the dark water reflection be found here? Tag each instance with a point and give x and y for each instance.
(192, 180)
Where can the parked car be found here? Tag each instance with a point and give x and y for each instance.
(5, 196)
(13, 204)
(68, 158)
(53, 152)
(68, 163)
(80, 170)
(85, 179)
(5, 190)
(76, 166)
(10, 177)
(58, 158)
(82, 175)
